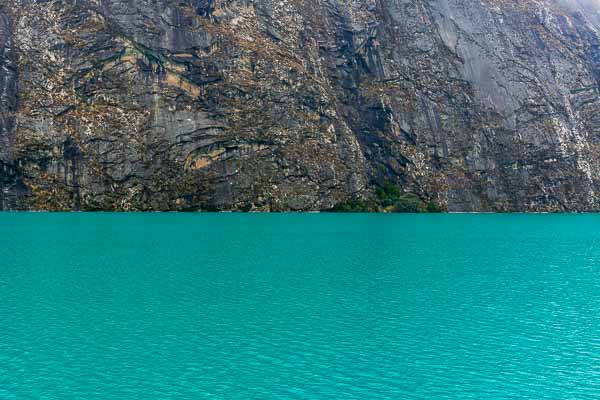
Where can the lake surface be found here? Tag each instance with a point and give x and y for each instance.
(293, 306)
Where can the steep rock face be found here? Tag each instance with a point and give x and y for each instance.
(8, 96)
(298, 104)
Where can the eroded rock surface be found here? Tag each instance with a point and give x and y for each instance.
(298, 104)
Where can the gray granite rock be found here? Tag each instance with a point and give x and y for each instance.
(299, 104)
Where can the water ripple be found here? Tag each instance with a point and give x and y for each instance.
(103, 306)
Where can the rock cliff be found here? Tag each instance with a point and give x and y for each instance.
(488, 105)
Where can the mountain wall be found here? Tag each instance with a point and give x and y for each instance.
(488, 105)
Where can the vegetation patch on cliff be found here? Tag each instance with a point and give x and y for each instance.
(389, 199)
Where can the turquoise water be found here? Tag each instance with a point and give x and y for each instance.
(291, 306)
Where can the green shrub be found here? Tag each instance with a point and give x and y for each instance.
(408, 203)
(434, 207)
